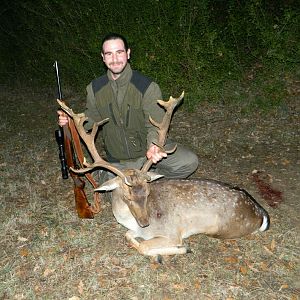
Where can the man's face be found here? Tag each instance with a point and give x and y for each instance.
(115, 56)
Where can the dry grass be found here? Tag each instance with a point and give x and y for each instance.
(46, 252)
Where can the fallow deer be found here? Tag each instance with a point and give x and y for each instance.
(160, 214)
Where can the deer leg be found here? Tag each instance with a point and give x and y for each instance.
(161, 246)
(131, 238)
(157, 246)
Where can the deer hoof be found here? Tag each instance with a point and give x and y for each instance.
(189, 250)
(159, 259)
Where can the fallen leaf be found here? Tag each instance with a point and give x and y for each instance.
(244, 270)
(232, 242)
(22, 239)
(250, 266)
(38, 288)
(134, 268)
(264, 266)
(44, 232)
(163, 277)
(222, 248)
(22, 273)
(115, 261)
(154, 266)
(197, 284)
(19, 296)
(285, 162)
(74, 298)
(284, 286)
(48, 272)
(80, 287)
(268, 250)
(272, 245)
(102, 280)
(24, 252)
(179, 286)
(231, 259)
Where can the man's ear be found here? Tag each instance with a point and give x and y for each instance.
(128, 53)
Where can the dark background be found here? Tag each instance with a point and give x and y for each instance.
(207, 48)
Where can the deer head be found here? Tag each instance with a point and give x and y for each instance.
(135, 195)
(132, 186)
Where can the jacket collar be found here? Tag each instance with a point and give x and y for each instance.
(123, 79)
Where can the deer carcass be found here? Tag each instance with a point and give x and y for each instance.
(160, 214)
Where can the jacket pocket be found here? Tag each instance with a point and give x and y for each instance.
(135, 143)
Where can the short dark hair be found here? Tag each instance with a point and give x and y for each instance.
(114, 36)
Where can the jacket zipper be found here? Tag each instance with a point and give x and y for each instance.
(122, 136)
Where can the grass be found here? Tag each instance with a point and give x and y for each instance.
(46, 252)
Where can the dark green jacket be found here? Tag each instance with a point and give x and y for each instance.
(127, 102)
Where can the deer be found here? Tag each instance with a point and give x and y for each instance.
(160, 213)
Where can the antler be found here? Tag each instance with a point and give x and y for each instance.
(163, 127)
(89, 140)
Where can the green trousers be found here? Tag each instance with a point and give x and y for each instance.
(179, 164)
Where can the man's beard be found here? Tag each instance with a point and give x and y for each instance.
(118, 72)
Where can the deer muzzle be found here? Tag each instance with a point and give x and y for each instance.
(140, 213)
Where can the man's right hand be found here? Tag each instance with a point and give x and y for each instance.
(62, 118)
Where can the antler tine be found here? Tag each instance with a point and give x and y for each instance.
(67, 109)
(89, 140)
(163, 127)
(103, 164)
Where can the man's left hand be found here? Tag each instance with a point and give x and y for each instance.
(155, 154)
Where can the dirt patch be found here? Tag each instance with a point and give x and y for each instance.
(46, 252)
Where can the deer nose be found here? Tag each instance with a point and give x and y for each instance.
(143, 222)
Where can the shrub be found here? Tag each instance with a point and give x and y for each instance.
(198, 46)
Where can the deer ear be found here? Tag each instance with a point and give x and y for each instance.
(108, 185)
(153, 176)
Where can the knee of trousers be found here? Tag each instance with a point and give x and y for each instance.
(194, 162)
(189, 164)
(183, 168)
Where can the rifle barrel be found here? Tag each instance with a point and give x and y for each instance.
(59, 133)
(60, 96)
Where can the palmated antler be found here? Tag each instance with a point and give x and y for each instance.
(89, 140)
(163, 127)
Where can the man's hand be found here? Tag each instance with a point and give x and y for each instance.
(155, 154)
(62, 118)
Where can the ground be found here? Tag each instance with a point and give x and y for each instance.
(47, 252)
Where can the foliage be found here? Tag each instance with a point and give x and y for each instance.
(198, 46)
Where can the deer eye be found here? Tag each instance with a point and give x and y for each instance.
(127, 181)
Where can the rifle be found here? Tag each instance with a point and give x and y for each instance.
(69, 149)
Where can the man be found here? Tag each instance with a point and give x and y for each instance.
(128, 98)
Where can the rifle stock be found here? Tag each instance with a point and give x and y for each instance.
(70, 148)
